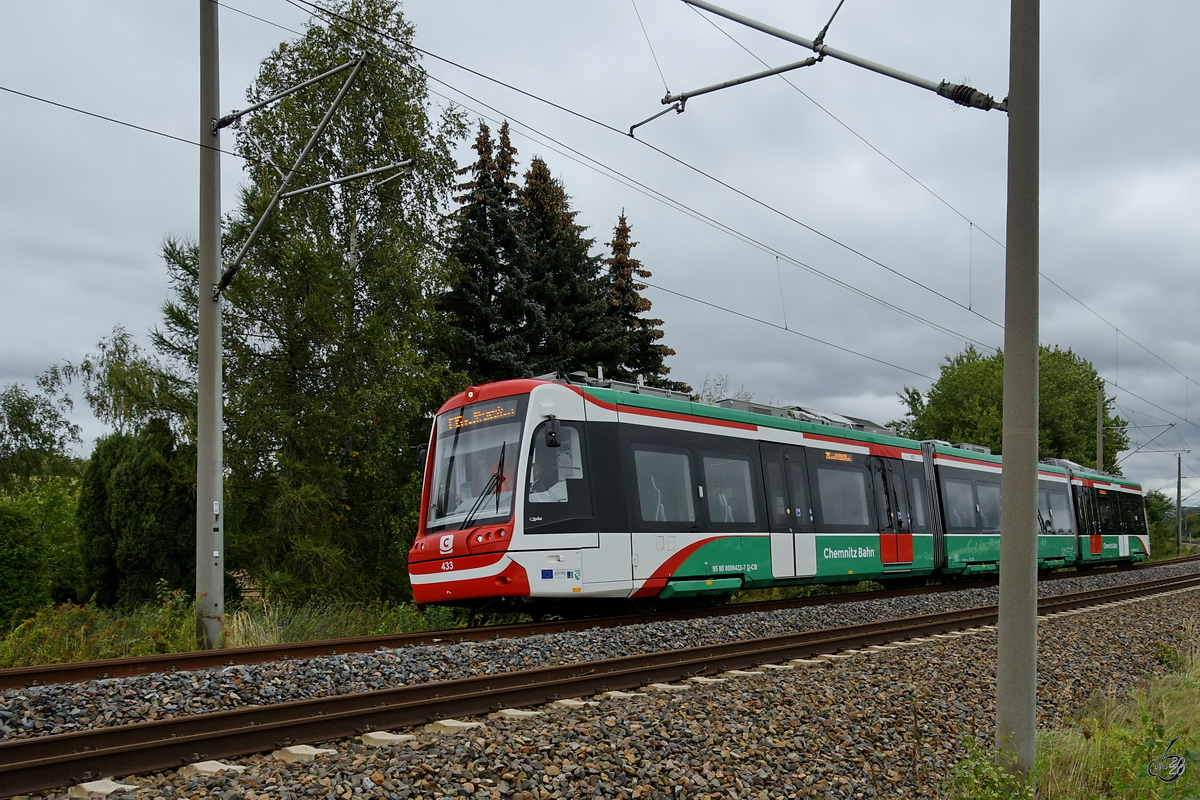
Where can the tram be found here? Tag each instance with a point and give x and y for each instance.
(572, 488)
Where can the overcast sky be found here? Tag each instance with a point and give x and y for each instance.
(895, 195)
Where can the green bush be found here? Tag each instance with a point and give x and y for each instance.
(136, 517)
(24, 584)
(51, 504)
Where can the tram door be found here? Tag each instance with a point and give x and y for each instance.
(895, 522)
(789, 512)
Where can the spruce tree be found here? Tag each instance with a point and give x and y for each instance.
(639, 351)
(493, 319)
(565, 280)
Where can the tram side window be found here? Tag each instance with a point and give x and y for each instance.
(914, 476)
(844, 497)
(1085, 498)
(887, 504)
(1109, 513)
(557, 499)
(989, 505)
(1054, 508)
(664, 481)
(777, 500)
(1132, 513)
(729, 489)
(960, 505)
(555, 473)
(1043, 510)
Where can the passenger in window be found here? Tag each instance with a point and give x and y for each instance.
(545, 485)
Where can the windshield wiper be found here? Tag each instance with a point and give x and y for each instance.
(499, 475)
(493, 482)
(479, 501)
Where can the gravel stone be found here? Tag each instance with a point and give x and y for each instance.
(892, 723)
(61, 708)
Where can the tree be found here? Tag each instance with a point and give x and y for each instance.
(38, 486)
(136, 517)
(126, 387)
(493, 318)
(1160, 515)
(50, 504)
(716, 388)
(23, 580)
(564, 277)
(639, 351)
(965, 405)
(100, 580)
(328, 369)
(35, 432)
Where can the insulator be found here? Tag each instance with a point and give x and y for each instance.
(966, 96)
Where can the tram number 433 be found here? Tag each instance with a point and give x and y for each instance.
(447, 565)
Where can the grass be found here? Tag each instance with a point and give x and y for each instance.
(262, 623)
(65, 633)
(69, 632)
(1108, 751)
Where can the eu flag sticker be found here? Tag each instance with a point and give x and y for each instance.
(547, 574)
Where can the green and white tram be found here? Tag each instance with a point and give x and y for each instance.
(571, 487)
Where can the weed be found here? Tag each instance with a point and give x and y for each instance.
(70, 632)
(259, 622)
(1112, 752)
(978, 776)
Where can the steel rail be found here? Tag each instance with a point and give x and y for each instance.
(74, 672)
(36, 764)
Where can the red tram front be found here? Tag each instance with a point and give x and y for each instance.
(505, 462)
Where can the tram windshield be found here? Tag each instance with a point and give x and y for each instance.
(476, 453)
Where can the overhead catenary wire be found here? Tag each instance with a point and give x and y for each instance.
(641, 187)
(918, 317)
(312, 8)
(651, 46)
(658, 287)
(746, 238)
(325, 13)
(160, 133)
(664, 289)
(708, 19)
(792, 331)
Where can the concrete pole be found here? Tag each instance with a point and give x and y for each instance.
(1178, 504)
(1100, 427)
(210, 538)
(1016, 663)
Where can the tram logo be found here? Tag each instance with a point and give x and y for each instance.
(1167, 768)
(446, 545)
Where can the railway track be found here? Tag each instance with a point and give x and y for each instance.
(31, 765)
(20, 677)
